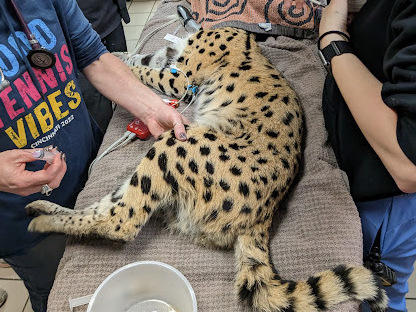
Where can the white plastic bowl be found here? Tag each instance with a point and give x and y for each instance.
(146, 286)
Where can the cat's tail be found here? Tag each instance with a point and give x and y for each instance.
(259, 285)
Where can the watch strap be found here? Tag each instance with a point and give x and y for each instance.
(335, 48)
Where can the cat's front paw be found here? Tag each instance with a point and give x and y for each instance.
(40, 207)
(43, 223)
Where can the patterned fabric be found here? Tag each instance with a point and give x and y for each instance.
(248, 14)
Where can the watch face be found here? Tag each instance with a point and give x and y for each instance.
(41, 59)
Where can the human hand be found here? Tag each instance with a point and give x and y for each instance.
(161, 118)
(14, 178)
(334, 17)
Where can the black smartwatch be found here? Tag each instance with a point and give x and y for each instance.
(335, 48)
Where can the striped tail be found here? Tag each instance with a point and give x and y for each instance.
(260, 286)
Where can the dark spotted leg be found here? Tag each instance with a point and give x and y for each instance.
(172, 84)
(119, 215)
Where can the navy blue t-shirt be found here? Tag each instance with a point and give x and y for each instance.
(59, 117)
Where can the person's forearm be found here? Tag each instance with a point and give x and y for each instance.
(362, 93)
(116, 82)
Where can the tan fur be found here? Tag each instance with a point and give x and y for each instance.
(222, 185)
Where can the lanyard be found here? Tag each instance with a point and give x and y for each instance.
(38, 56)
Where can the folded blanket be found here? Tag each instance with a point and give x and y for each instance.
(263, 16)
(316, 229)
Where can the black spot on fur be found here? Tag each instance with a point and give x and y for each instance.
(254, 169)
(244, 189)
(285, 100)
(199, 34)
(235, 171)
(210, 136)
(288, 119)
(260, 95)
(191, 181)
(275, 76)
(230, 38)
(230, 87)
(161, 75)
(179, 168)
(224, 185)
(222, 149)
(223, 47)
(171, 141)
(268, 114)
(241, 99)
(208, 181)
(234, 75)
(162, 162)
(226, 228)
(258, 194)
(209, 167)
(245, 67)
(262, 161)
(193, 166)
(212, 54)
(227, 204)
(285, 163)
(245, 209)
(272, 134)
(170, 179)
(147, 209)
(181, 152)
(213, 216)
(151, 153)
(224, 157)
(146, 184)
(259, 127)
(217, 36)
(205, 150)
(118, 227)
(207, 196)
(161, 87)
(264, 180)
(146, 60)
(254, 79)
(134, 180)
(273, 98)
(181, 58)
(112, 211)
(131, 212)
(255, 152)
(155, 197)
(275, 193)
(226, 103)
(241, 158)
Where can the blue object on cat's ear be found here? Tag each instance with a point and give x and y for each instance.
(173, 70)
(194, 89)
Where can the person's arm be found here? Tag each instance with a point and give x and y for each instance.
(116, 81)
(363, 94)
(113, 78)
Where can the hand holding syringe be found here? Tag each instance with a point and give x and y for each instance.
(47, 154)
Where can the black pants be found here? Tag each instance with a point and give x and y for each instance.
(37, 268)
(99, 106)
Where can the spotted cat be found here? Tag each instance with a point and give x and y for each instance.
(222, 185)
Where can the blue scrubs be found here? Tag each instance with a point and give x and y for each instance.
(397, 218)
